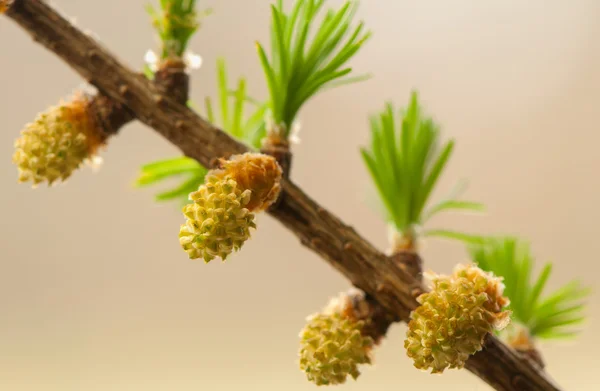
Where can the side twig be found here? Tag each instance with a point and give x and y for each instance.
(318, 229)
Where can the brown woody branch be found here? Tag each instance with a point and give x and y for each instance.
(109, 114)
(367, 268)
(112, 115)
(280, 150)
(171, 79)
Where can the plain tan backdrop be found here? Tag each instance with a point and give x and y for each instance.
(95, 293)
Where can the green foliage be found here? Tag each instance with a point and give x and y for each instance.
(148, 72)
(175, 22)
(300, 67)
(232, 106)
(405, 163)
(160, 170)
(550, 316)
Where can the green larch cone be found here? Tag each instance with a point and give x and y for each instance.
(218, 221)
(454, 318)
(256, 172)
(58, 142)
(332, 346)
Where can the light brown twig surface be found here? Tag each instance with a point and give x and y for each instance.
(339, 244)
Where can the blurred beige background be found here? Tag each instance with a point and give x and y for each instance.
(95, 293)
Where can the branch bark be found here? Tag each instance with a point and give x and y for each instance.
(339, 244)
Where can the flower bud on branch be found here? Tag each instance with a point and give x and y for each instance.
(218, 221)
(58, 142)
(220, 217)
(333, 345)
(454, 318)
(256, 172)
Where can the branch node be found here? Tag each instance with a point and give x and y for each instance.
(348, 246)
(123, 90)
(159, 100)
(523, 343)
(409, 262)
(365, 307)
(179, 124)
(92, 55)
(172, 80)
(519, 383)
(416, 292)
(280, 150)
(321, 212)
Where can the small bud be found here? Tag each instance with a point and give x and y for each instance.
(256, 172)
(454, 318)
(58, 142)
(332, 344)
(218, 221)
(4, 5)
(518, 337)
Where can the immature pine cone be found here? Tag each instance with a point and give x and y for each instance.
(454, 318)
(332, 345)
(257, 172)
(218, 221)
(57, 143)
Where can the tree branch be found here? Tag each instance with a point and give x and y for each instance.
(339, 244)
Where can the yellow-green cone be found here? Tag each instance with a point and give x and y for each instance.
(218, 221)
(454, 318)
(332, 346)
(58, 142)
(256, 172)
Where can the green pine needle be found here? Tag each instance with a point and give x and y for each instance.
(161, 170)
(148, 72)
(299, 67)
(453, 235)
(549, 316)
(232, 118)
(157, 171)
(233, 105)
(175, 22)
(405, 164)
